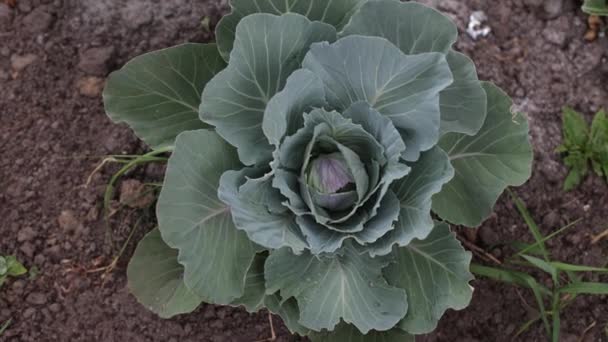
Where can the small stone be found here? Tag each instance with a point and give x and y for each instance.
(20, 62)
(67, 220)
(134, 194)
(90, 86)
(24, 5)
(96, 61)
(29, 312)
(558, 31)
(217, 324)
(208, 312)
(38, 21)
(488, 236)
(137, 14)
(18, 286)
(551, 220)
(39, 259)
(510, 329)
(27, 249)
(92, 214)
(55, 307)
(6, 17)
(553, 8)
(553, 36)
(575, 238)
(553, 171)
(36, 298)
(221, 313)
(26, 234)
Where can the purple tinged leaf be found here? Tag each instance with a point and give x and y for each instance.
(329, 173)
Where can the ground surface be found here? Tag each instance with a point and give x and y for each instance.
(53, 132)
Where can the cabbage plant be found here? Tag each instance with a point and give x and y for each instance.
(319, 153)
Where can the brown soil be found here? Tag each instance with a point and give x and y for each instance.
(54, 55)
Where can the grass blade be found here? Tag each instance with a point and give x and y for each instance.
(5, 326)
(543, 265)
(535, 248)
(556, 318)
(585, 288)
(527, 326)
(531, 224)
(509, 276)
(576, 268)
(536, 289)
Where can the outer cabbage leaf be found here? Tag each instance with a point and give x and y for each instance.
(500, 155)
(332, 12)
(267, 50)
(412, 27)
(254, 292)
(346, 286)
(349, 333)
(464, 102)
(158, 94)
(255, 298)
(404, 88)
(289, 312)
(414, 193)
(435, 275)
(156, 278)
(215, 255)
(415, 28)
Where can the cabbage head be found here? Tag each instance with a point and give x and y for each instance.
(319, 153)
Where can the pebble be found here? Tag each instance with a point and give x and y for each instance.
(6, 17)
(555, 36)
(67, 220)
(27, 249)
(575, 238)
(24, 6)
(38, 21)
(55, 307)
(39, 259)
(553, 8)
(18, 287)
(36, 298)
(133, 194)
(551, 220)
(26, 234)
(90, 86)
(137, 14)
(488, 236)
(29, 312)
(96, 61)
(20, 62)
